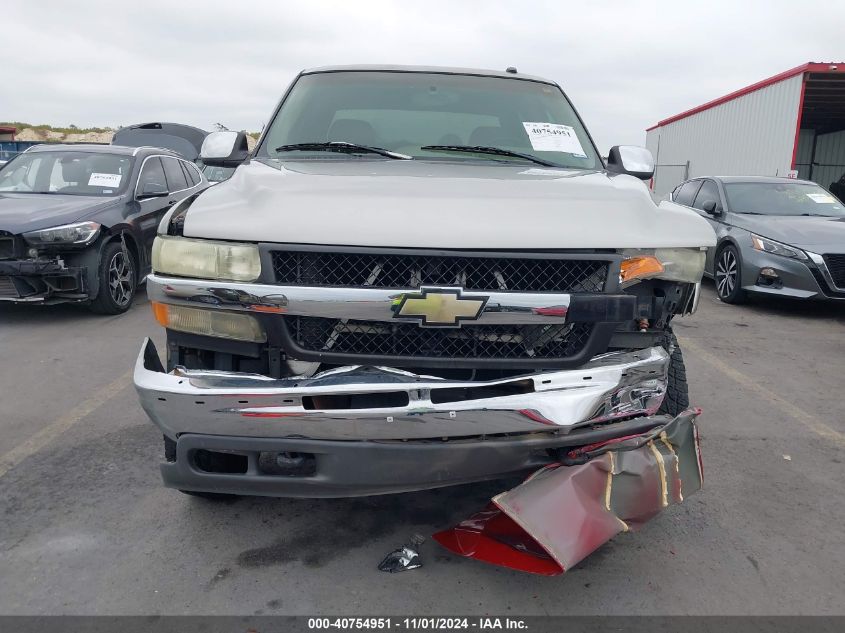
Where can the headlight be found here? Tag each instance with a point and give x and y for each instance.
(216, 323)
(80, 233)
(672, 264)
(766, 245)
(205, 259)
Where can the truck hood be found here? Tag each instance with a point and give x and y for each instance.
(23, 212)
(811, 233)
(449, 205)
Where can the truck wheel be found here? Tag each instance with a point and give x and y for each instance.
(728, 275)
(118, 280)
(677, 392)
(170, 455)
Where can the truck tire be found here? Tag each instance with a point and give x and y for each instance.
(170, 456)
(677, 391)
(117, 272)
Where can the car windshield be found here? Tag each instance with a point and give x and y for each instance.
(217, 174)
(406, 111)
(67, 172)
(782, 198)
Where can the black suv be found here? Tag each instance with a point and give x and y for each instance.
(77, 222)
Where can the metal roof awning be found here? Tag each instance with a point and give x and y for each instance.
(818, 72)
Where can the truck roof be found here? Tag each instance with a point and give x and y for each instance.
(443, 70)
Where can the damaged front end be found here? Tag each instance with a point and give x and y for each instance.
(35, 270)
(354, 431)
(43, 279)
(567, 510)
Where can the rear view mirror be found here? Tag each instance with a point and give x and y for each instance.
(153, 190)
(632, 160)
(224, 149)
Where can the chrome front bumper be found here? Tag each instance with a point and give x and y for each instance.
(609, 387)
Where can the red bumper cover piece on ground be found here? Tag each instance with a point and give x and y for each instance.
(561, 514)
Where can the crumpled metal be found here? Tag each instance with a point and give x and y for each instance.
(404, 558)
(561, 514)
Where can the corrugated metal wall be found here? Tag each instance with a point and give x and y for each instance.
(751, 135)
(805, 152)
(829, 159)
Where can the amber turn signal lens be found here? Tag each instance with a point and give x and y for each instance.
(160, 313)
(640, 268)
(210, 322)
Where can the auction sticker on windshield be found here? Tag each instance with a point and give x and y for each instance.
(104, 180)
(821, 198)
(553, 137)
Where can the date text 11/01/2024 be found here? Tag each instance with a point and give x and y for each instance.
(418, 623)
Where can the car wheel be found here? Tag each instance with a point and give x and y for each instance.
(728, 275)
(677, 389)
(118, 280)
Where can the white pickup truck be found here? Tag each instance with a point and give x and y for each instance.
(419, 277)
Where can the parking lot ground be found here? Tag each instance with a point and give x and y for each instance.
(86, 528)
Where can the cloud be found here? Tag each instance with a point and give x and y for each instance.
(625, 65)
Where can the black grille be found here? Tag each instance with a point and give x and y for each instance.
(411, 271)
(7, 288)
(836, 266)
(376, 338)
(8, 246)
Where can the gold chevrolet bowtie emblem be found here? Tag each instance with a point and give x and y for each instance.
(439, 307)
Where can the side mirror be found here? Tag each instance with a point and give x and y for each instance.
(153, 190)
(632, 160)
(710, 207)
(224, 149)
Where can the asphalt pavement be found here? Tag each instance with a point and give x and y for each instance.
(87, 528)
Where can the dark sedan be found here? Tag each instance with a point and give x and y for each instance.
(77, 222)
(776, 236)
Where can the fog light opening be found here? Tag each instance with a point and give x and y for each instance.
(287, 464)
(769, 278)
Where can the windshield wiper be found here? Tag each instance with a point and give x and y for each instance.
(483, 149)
(343, 147)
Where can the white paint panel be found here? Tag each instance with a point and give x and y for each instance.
(752, 135)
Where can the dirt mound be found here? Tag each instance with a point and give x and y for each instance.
(33, 134)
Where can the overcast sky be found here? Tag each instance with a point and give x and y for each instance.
(624, 64)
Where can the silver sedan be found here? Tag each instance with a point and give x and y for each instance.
(776, 236)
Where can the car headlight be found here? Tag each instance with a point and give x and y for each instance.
(766, 245)
(205, 259)
(671, 264)
(80, 234)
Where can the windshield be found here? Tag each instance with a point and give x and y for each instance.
(782, 198)
(404, 112)
(67, 172)
(217, 174)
